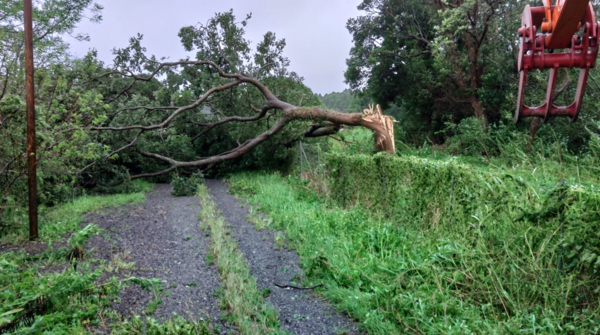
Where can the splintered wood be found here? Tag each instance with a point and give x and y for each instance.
(383, 141)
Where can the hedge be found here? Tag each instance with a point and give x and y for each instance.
(562, 220)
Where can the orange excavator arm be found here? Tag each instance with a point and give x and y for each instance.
(562, 21)
(555, 28)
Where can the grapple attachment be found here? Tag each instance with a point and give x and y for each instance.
(554, 28)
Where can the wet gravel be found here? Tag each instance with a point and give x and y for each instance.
(163, 238)
(300, 311)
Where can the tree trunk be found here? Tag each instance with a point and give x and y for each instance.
(381, 125)
(478, 109)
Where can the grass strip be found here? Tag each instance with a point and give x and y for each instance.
(239, 293)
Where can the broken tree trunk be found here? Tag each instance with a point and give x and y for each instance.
(384, 141)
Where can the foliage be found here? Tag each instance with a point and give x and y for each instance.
(78, 238)
(46, 301)
(471, 137)
(505, 255)
(441, 62)
(356, 141)
(64, 105)
(345, 101)
(42, 293)
(35, 300)
(222, 40)
(183, 187)
(491, 204)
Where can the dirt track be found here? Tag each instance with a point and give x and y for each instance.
(163, 238)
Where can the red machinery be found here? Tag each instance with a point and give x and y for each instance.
(570, 25)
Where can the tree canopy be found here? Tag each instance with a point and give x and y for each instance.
(439, 61)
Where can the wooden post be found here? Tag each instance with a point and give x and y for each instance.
(31, 145)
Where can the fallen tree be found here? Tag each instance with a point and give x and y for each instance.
(221, 89)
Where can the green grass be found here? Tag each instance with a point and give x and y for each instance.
(77, 302)
(401, 276)
(70, 301)
(239, 294)
(173, 326)
(74, 300)
(65, 218)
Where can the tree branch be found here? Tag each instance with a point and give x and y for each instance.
(329, 121)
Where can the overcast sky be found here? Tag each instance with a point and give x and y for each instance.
(315, 31)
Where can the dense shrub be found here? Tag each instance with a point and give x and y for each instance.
(186, 186)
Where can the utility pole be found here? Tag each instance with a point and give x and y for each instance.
(31, 145)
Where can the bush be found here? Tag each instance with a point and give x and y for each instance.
(471, 137)
(184, 187)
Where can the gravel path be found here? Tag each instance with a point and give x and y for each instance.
(163, 238)
(300, 311)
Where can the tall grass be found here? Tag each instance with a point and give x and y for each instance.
(397, 276)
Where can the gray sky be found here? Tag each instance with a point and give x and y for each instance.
(315, 31)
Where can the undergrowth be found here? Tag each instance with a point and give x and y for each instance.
(186, 186)
(66, 302)
(174, 326)
(401, 274)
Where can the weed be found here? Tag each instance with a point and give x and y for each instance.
(266, 292)
(238, 292)
(280, 240)
(65, 218)
(174, 326)
(119, 263)
(152, 306)
(210, 258)
(186, 186)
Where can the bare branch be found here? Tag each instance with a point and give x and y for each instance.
(148, 108)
